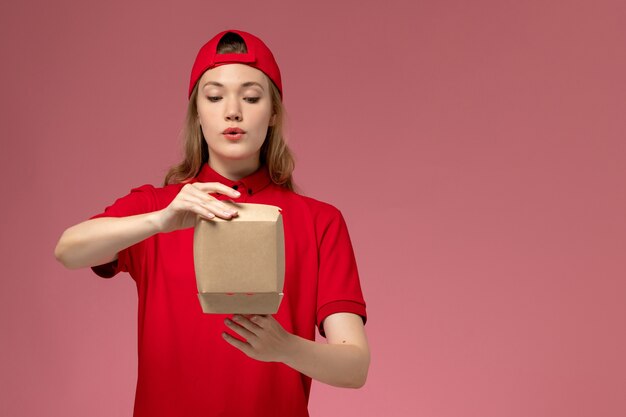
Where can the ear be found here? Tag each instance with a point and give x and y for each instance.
(273, 120)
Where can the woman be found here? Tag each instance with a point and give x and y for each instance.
(195, 364)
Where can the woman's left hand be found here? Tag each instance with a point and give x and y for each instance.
(265, 339)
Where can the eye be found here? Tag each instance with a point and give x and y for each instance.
(213, 99)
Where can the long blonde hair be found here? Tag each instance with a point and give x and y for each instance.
(274, 152)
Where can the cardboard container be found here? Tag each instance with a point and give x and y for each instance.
(240, 262)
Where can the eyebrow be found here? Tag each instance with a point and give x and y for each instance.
(246, 84)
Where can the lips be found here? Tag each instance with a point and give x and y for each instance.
(233, 130)
(233, 133)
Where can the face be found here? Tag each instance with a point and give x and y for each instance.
(234, 95)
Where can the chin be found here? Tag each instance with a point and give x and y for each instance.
(234, 150)
(234, 154)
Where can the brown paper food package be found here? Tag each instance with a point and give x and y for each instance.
(240, 262)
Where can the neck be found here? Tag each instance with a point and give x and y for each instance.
(234, 170)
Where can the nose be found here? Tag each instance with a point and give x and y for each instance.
(233, 111)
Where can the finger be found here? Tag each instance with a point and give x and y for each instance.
(204, 197)
(187, 203)
(217, 187)
(231, 205)
(246, 320)
(205, 206)
(241, 329)
(244, 347)
(259, 320)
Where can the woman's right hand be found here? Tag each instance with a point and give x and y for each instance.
(194, 200)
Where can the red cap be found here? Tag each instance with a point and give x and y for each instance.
(259, 56)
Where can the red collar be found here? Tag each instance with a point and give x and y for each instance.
(251, 184)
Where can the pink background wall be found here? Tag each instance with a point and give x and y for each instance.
(477, 150)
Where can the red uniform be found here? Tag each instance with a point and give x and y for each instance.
(186, 368)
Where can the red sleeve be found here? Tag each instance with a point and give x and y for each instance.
(339, 288)
(140, 200)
